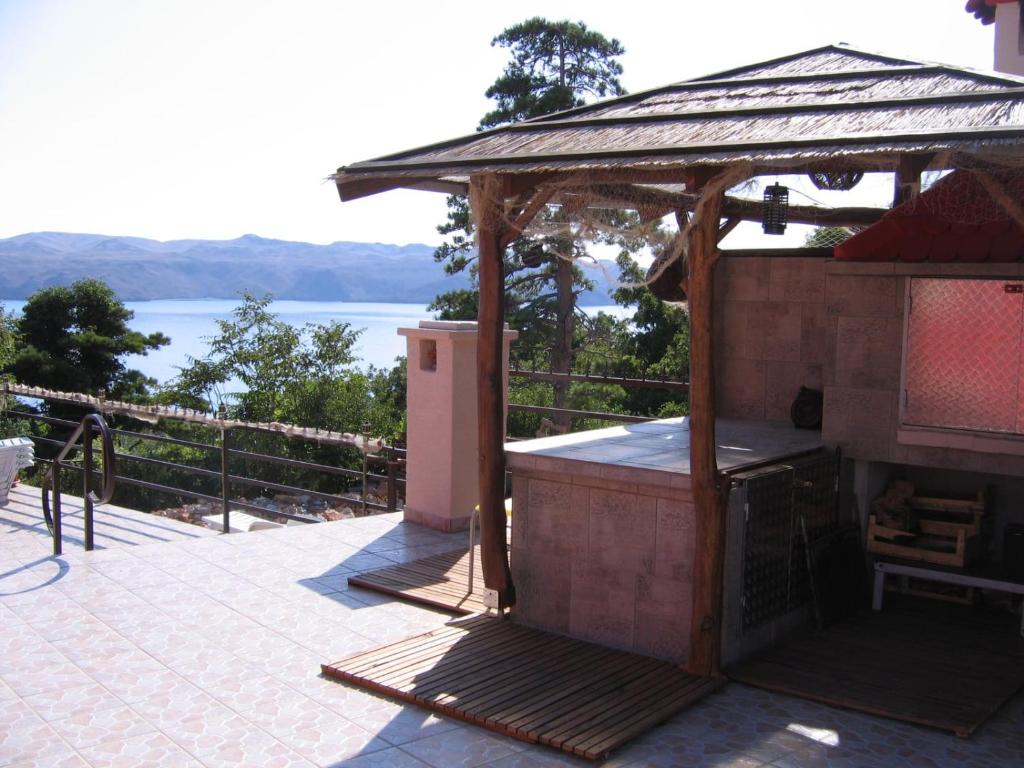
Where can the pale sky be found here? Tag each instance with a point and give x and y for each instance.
(217, 118)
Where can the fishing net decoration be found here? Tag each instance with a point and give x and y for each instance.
(587, 217)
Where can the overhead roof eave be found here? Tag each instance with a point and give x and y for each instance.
(449, 174)
(825, 109)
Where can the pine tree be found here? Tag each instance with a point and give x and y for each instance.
(554, 66)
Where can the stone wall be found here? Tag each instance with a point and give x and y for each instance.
(604, 554)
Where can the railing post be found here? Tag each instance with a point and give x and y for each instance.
(55, 491)
(366, 435)
(87, 483)
(392, 481)
(225, 483)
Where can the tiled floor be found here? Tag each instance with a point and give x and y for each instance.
(113, 526)
(206, 652)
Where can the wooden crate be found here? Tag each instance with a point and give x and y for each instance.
(968, 512)
(941, 543)
(949, 532)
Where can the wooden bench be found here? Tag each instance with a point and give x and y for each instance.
(883, 569)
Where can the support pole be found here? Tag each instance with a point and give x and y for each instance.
(392, 481)
(485, 203)
(225, 481)
(58, 542)
(87, 505)
(709, 554)
(907, 181)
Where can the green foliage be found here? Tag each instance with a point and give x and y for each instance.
(659, 345)
(557, 66)
(827, 237)
(75, 337)
(653, 343)
(8, 338)
(304, 376)
(554, 66)
(386, 413)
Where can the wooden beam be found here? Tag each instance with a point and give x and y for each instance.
(353, 189)
(824, 252)
(729, 225)
(529, 212)
(709, 540)
(908, 177)
(486, 206)
(632, 196)
(752, 210)
(514, 184)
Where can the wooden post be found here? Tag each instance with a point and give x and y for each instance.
(485, 204)
(709, 549)
(908, 177)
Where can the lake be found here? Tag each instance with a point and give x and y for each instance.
(189, 322)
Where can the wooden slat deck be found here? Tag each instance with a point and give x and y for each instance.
(920, 668)
(440, 581)
(536, 686)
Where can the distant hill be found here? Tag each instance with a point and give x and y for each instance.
(139, 269)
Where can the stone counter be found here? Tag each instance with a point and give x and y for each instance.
(603, 527)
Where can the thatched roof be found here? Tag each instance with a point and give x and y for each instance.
(816, 109)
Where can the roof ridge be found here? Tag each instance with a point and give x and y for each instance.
(728, 74)
(725, 76)
(896, 66)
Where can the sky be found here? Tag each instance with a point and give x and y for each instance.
(218, 118)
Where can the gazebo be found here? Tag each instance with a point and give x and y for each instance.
(833, 111)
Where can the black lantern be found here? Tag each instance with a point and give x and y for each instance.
(840, 181)
(533, 256)
(775, 214)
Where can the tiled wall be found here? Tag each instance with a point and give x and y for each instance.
(865, 309)
(604, 559)
(770, 332)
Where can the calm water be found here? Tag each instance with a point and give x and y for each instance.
(190, 322)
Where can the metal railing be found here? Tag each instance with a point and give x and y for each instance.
(51, 480)
(390, 458)
(545, 410)
(552, 377)
(600, 378)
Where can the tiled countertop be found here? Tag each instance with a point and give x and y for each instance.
(664, 445)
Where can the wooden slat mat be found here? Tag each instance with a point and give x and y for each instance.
(536, 686)
(921, 669)
(440, 581)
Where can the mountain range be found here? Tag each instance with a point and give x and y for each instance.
(138, 269)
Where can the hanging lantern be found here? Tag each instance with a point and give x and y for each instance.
(775, 214)
(837, 182)
(533, 256)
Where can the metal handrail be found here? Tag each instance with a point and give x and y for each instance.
(51, 480)
(392, 459)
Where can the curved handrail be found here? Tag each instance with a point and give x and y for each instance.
(51, 480)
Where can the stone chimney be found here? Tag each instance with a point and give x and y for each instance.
(441, 430)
